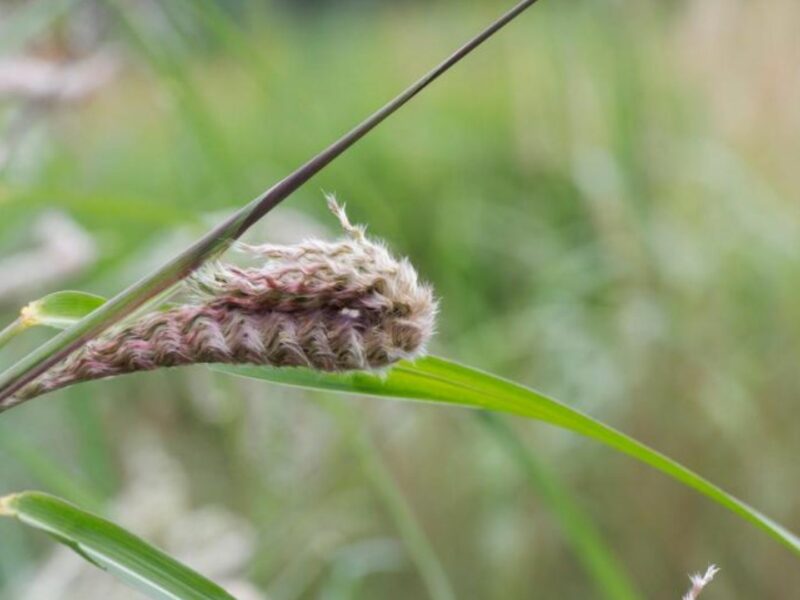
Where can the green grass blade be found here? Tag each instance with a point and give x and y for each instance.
(597, 559)
(111, 548)
(434, 379)
(60, 310)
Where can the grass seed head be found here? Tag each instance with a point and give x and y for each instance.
(331, 306)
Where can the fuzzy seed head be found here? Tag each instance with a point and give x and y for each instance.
(332, 306)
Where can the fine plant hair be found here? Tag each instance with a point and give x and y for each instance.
(332, 306)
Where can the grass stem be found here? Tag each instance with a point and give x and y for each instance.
(416, 541)
(12, 331)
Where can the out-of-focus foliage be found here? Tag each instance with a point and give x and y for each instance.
(603, 197)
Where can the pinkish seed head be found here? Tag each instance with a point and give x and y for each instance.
(331, 306)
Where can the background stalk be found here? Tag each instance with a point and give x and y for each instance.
(418, 545)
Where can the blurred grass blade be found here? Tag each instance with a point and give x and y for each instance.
(111, 548)
(437, 380)
(598, 560)
(219, 238)
(60, 309)
(414, 537)
(190, 100)
(51, 474)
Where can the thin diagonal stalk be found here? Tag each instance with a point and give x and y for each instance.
(219, 238)
(420, 549)
(609, 577)
(47, 471)
(12, 331)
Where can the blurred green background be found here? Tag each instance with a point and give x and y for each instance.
(604, 198)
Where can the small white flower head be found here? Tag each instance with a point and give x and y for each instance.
(699, 582)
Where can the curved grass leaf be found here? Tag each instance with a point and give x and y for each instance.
(111, 548)
(434, 379)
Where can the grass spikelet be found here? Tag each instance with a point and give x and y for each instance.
(333, 306)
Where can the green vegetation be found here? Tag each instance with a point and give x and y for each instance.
(606, 209)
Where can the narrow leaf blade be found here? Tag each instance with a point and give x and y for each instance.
(111, 548)
(60, 309)
(435, 379)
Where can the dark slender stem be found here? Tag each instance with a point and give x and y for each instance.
(220, 237)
